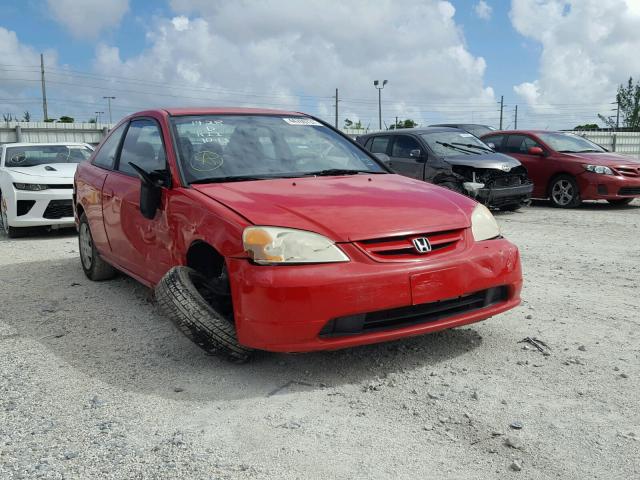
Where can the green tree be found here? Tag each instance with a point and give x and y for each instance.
(408, 123)
(93, 120)
(347, 123)
(628, 100)
(587, 126)
(26, 117)
(65, 119)
(50, 120)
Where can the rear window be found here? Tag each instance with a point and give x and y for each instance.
(30, 156)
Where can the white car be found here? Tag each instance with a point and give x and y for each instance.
(36, 184)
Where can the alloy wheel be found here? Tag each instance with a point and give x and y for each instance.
(86, 246)
(563, 192)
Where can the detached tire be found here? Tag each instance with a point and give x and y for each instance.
(95, 268)
(181, 296)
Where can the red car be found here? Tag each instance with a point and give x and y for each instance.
(568, 169)
(270, 230)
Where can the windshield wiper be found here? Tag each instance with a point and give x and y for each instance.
(336, 171)
(589, 150)
(471, 145)
(238, 178)
(453, 147)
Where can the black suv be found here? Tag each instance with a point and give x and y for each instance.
(454, 159)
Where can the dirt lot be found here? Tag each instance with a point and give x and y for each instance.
(95, 383)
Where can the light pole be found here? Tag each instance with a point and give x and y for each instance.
(375, 84)
(109, 100)
(98, 117)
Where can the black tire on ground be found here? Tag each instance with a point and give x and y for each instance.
(95, 268)
(619, 202)
(511, 208)
(456, 187)
(564, 192)
(181, 296)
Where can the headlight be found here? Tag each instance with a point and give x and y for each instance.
(30, 186)
(483, 224)
(599, 169)
(268, 245)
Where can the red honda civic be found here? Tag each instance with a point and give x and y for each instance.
(263, 229)
(567, 168)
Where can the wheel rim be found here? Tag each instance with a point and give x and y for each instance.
(86, 246)
(563, 192)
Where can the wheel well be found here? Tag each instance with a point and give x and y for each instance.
(205, 259)
(79, 210)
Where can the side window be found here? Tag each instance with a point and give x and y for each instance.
(514, 143)
(526, 144)
(403, 145)
(379, 144)
(143, 146)
(496, 140)
(368, 143)
(106, 156)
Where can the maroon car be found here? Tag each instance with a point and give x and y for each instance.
(568, 169)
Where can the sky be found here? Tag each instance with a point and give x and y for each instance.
(559, 61)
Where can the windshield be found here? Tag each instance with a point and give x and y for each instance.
(569, 143)
(226, 147)
(31, 156)
(478, 130)
(454, 143)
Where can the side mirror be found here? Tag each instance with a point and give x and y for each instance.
(535, 151)
(415, 153)
(150, 190)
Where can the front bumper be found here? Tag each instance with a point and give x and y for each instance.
(499, 196)
(594, 186)
(51, 207)
(286, 308)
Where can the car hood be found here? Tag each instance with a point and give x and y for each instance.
(484, 160)
(346, 208)
(605, 158)
(60, 170)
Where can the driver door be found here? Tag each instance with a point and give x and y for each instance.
(407, 157)
(140, 245)
(518, 146)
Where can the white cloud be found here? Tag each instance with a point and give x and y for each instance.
(87, 18)
(483, 10)
(587, 51)
(288, 54)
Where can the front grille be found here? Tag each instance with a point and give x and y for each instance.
(61, 186)
(58, 209)
(629, 171)
(402, 248)
(413, 315)
(506, 181)
(24, 206)
(629, 191)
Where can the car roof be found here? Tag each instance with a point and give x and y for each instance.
(228, 111)
(514, 132)
(37, 144)
(413, 130)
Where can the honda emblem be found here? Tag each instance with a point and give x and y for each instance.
(422, 245)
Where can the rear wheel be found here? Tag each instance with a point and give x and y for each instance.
(620, 201)
(195, 305)
(564, 192)
(95, 268)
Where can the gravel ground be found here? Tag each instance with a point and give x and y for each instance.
(95, 383)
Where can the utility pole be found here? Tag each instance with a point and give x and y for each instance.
(375, 84)
(44, 90)
(109, 100)
(516, 120)
(501, 109)
(396, 127)
(336, 108)
(617, 114)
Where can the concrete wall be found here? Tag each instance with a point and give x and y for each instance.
(42, 132)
